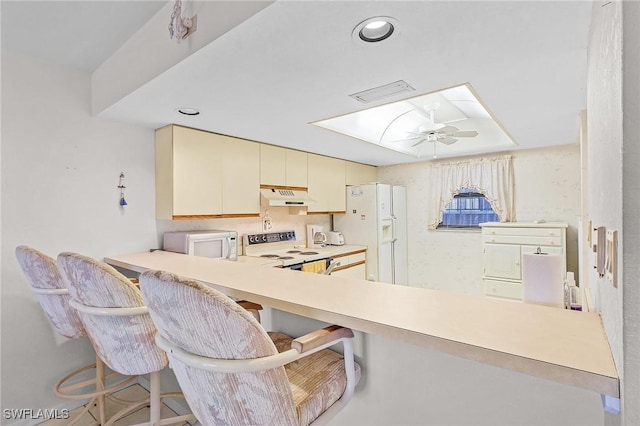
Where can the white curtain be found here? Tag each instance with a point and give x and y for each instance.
(492, 177)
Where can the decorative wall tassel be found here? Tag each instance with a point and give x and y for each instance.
(121, 186)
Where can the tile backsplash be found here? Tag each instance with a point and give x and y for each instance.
(281, 220)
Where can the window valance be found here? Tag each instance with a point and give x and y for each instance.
(492, 177)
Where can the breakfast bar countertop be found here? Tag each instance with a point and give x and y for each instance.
(557, 344)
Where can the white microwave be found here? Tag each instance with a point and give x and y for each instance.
(213, 243)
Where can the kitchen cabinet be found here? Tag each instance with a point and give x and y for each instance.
(282, 167)
(205, 175)
(503, 245)
(241, 177)
(352, 265)
(326, 183)
(360, 174)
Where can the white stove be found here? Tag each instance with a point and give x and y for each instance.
(281, 246)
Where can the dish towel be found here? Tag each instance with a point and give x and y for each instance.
(317, 267)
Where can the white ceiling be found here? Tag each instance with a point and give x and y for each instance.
(295, 62)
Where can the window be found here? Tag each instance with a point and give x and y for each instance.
(487, 183)
(468, 209)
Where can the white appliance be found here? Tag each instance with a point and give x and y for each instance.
(213, 243)
(285, 197)
(316, 237)
(376, 216)
(335, 238)
(283, 248)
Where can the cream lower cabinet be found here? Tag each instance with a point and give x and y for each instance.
(503, 245)
(205, 175)
(326, 183)
(352, 265)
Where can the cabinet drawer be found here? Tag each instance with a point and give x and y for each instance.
(505, 289)
(525, 232)
(519, 239)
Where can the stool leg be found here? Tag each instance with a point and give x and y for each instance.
(99, 387)
(154, 398)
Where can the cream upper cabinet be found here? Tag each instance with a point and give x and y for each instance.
(326, 183)
(282, 167)
(273, 160)
(296, 168)
(360, 174)
(205, 175)
(241, 176)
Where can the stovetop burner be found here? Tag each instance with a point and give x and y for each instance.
(271, 256)
(293, 251)
(286, 257)
(308, 252)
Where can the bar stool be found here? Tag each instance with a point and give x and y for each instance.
(233, 372)
(117, 322)
(46, 283)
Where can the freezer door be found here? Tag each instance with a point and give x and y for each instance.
(384, 201)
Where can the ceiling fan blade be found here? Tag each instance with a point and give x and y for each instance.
(418, 143)
(407, 139)
(448, 130)
(465, 134)
(447, 140)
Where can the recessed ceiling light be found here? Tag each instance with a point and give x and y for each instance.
(188, 111)
(376, 29)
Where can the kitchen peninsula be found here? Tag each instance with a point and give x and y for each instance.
(564, 346)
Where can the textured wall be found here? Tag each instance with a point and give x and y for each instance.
(614, 176)
(60, 169)
(547, 187)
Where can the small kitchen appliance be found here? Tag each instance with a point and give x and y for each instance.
(335, 238)
(316, 237)
(212, 243)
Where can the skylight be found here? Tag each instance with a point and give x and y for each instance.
(447, 123)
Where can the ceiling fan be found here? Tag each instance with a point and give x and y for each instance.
(437, 132)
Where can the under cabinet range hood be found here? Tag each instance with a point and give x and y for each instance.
(285, 197)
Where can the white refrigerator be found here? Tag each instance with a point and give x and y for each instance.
(376, 216)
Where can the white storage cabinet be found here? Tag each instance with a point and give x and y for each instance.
(503, 245)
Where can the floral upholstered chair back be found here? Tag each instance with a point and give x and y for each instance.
(125, 343)
(42, 273)
(205, 322)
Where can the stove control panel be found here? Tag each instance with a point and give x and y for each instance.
(271, 237)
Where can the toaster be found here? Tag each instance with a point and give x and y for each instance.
(335, 238)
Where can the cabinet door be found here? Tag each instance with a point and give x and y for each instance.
(241, 176)
(296, 165)
(359, 174)
(357, 271)
(326, 183)
(197, 181)
(502, 261)
(273, 165)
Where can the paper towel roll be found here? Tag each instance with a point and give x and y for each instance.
(542, 279)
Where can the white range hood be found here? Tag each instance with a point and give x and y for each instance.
(285, 197)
